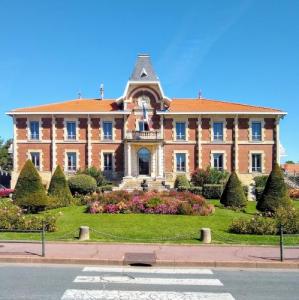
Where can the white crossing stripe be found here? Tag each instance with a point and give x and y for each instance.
(141, 280)
(148, 270)
(138, 295)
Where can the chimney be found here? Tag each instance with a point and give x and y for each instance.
(101, 91)
(199, 94)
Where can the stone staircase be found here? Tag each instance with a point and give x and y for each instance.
(131, 184)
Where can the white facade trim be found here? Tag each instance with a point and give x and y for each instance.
(174, 133)
(112, 151)
(218, 120)
(65, 121)
(41, 159)
(66, 151)
(107, 119)
(260, 120)
(174, 161)
(263, 159)
(40, 128)
(199, 142)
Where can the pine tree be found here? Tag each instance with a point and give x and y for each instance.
(29, 191)
(233, 194)
(59, 189)
(275, 194)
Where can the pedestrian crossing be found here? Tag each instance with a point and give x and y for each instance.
(141, 283)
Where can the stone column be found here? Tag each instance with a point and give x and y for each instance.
(199, 137)
(54, 161)
(160, 161)
(277, 140)
(162, 126)
(89, 144)
(236, 146)
(129, 166)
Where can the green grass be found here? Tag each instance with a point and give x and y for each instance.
(153, 228)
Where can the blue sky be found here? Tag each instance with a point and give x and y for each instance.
(244, 51)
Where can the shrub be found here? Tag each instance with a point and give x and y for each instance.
(245, 190)
(233, 194)
(275, 194)
(289, 218)
(59, 190)
(105, 188)
(209, 176)
(82, 184)
(181, 180)
(212, 191)
(258, 193)
(260, 181)
(256, 225)
(197, 190)
(12, 217)
(96, 174)
(30, 193)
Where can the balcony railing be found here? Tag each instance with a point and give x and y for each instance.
(144, 135)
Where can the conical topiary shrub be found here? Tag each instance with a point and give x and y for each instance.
(275, 194)
(233, 194)
(59, 189)
(29, 191)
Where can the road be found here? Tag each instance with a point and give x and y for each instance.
(67, 282)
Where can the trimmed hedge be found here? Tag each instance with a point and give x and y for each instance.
(260, 181)
(59, 189)
(96, 174)
(82, 184)
(275, 194)
(233, 194)
(212, 191)
(30, 193)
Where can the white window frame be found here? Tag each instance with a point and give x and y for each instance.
(174, 133)
(66, 160)
(29, 151)
(103, 120)
(223, 152)
(65, 129)
(103, 152)
(40, 131)
(262, 121)
(223, 121)
(175, 162)
(262, 153)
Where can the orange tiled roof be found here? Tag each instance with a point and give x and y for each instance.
(207, 105)
(77, 105)
(176, 105)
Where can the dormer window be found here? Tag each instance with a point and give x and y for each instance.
(143, 73)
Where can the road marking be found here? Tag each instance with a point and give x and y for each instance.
(148, 270)
(140, 280)
(137, 295)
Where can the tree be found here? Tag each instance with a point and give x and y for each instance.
(59, 189)
(6, 162)
(29, 191)
(290, 162)
(275, 194)
(233, 194)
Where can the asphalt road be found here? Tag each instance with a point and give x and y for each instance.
(24, 281)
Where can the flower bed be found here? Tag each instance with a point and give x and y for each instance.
(173, 203)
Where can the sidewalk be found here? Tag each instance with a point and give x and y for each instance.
(166, 255)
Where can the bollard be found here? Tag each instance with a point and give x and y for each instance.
(83, 233)
(205, 235)
(281, 243)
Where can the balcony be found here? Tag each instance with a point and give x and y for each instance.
(153, 135)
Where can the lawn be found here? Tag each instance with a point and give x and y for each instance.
(153, 228)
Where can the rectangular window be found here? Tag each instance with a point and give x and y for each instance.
(107, 129)
(34, 130)
(180, 162)
(256, 130)
(180, 130)
(218, 131)
(108, 161)
(35, 158)
(72, 161)
(71, 130)
(218, 161)
(143, 126)
(256, 163)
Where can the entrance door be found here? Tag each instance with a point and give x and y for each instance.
(144, 157)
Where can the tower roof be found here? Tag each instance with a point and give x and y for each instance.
(143, 70)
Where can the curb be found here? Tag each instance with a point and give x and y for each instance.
(165, 263)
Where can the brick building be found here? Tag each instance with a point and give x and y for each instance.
(144, 134)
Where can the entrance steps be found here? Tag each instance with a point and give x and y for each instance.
(131, 184)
